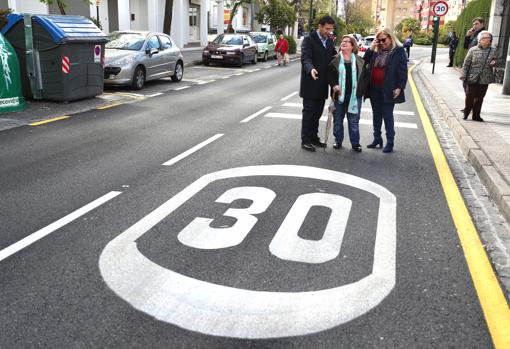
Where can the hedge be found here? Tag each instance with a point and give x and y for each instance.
(292, 43)
(476, 8)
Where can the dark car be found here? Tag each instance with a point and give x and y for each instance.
(231, 48)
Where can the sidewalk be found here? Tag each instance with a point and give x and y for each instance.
(485, 144)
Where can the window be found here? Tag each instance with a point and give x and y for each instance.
(153, 43)
(165, 42)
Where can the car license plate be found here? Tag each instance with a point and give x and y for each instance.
(216, 56)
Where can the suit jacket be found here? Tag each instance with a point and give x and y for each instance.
(315, 55)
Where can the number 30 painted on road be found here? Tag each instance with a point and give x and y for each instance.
(226, 311)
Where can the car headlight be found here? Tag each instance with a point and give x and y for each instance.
(123, 61)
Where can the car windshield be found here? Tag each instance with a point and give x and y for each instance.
(125, 41)
(368, 41)
(229, 40)
(259, 38)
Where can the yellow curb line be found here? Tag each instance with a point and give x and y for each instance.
(108, 106)
(49, 120)
(492, 299)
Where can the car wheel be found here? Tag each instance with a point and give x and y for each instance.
(265, 56)
(255, 58)
(138, 78)
(178, 72)
(206, 63)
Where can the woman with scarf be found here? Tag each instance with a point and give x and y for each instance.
(343, 74)
(388, 79)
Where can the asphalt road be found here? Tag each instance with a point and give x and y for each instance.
(245, 240)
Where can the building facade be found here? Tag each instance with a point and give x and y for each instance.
(189, 22)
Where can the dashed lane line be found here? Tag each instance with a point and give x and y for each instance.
(155, 94)
(181, 88)
(289, 96)
(29, 240)
(263, 110)
(49, 120)
(409, 125)
(192, 150)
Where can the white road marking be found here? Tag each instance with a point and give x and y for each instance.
(155, 94)
(288, 96)
(196, 81)
(361, 121)
(363, 110)
(192, 150)
(27, 241)
(252, 116)
(181, 88)
(225, 77)
(203, 82)
(254, 70)
(219, 310)
(238, 74)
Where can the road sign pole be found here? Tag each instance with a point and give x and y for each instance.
(434, 43)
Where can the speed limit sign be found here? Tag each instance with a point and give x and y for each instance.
(440, 8)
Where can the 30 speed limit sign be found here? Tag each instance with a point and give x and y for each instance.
(217, 309)
(440, 8)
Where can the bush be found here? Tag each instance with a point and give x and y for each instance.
(476, 8)
(292, 43)
(423, 41)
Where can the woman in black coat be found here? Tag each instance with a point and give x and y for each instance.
(388, 79)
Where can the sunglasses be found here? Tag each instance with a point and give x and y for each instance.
(382, 39)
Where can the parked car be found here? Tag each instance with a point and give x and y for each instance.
(367, 41)
(266, 43)
(134, 57)
(231, 48)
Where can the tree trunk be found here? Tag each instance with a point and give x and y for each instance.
(230, 29)
(61, 7)
(167, 23)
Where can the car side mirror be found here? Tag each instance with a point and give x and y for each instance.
(152, 51)
(246, 45)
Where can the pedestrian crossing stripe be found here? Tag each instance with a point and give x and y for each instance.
(363, 110)
(410, 125)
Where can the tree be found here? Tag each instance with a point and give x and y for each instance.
(233, 12)
(276, 13)
(167, 22)
(357, 17)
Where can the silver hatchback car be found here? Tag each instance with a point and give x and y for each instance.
(134, 57)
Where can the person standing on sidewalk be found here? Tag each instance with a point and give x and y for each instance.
(454, 42)
(317, 51)
(343, 75)
(282, 47)
(472, 34)
(408, 43)
(388, 79)
(478, 73)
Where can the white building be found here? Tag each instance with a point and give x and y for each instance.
(219, 14)
(189, 22)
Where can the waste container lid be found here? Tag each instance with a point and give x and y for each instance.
(62, 28)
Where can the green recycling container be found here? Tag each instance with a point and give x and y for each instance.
(11, 96)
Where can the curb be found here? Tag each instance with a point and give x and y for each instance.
(498, 188)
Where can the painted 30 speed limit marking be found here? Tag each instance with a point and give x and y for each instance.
(219, 310)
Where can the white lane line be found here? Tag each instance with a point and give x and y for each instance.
(203, 82)
(254, 70)
(196, 81)
(267, 67)
(155, 94)
(238, 74)
(363, 110)
(27, 241)
(287, 97)
(395, 112)
(361, 121)
(192, 150)
(263, 110)
(225, 77)
(181, 88)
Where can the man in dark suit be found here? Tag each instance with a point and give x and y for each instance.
(317, 51)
